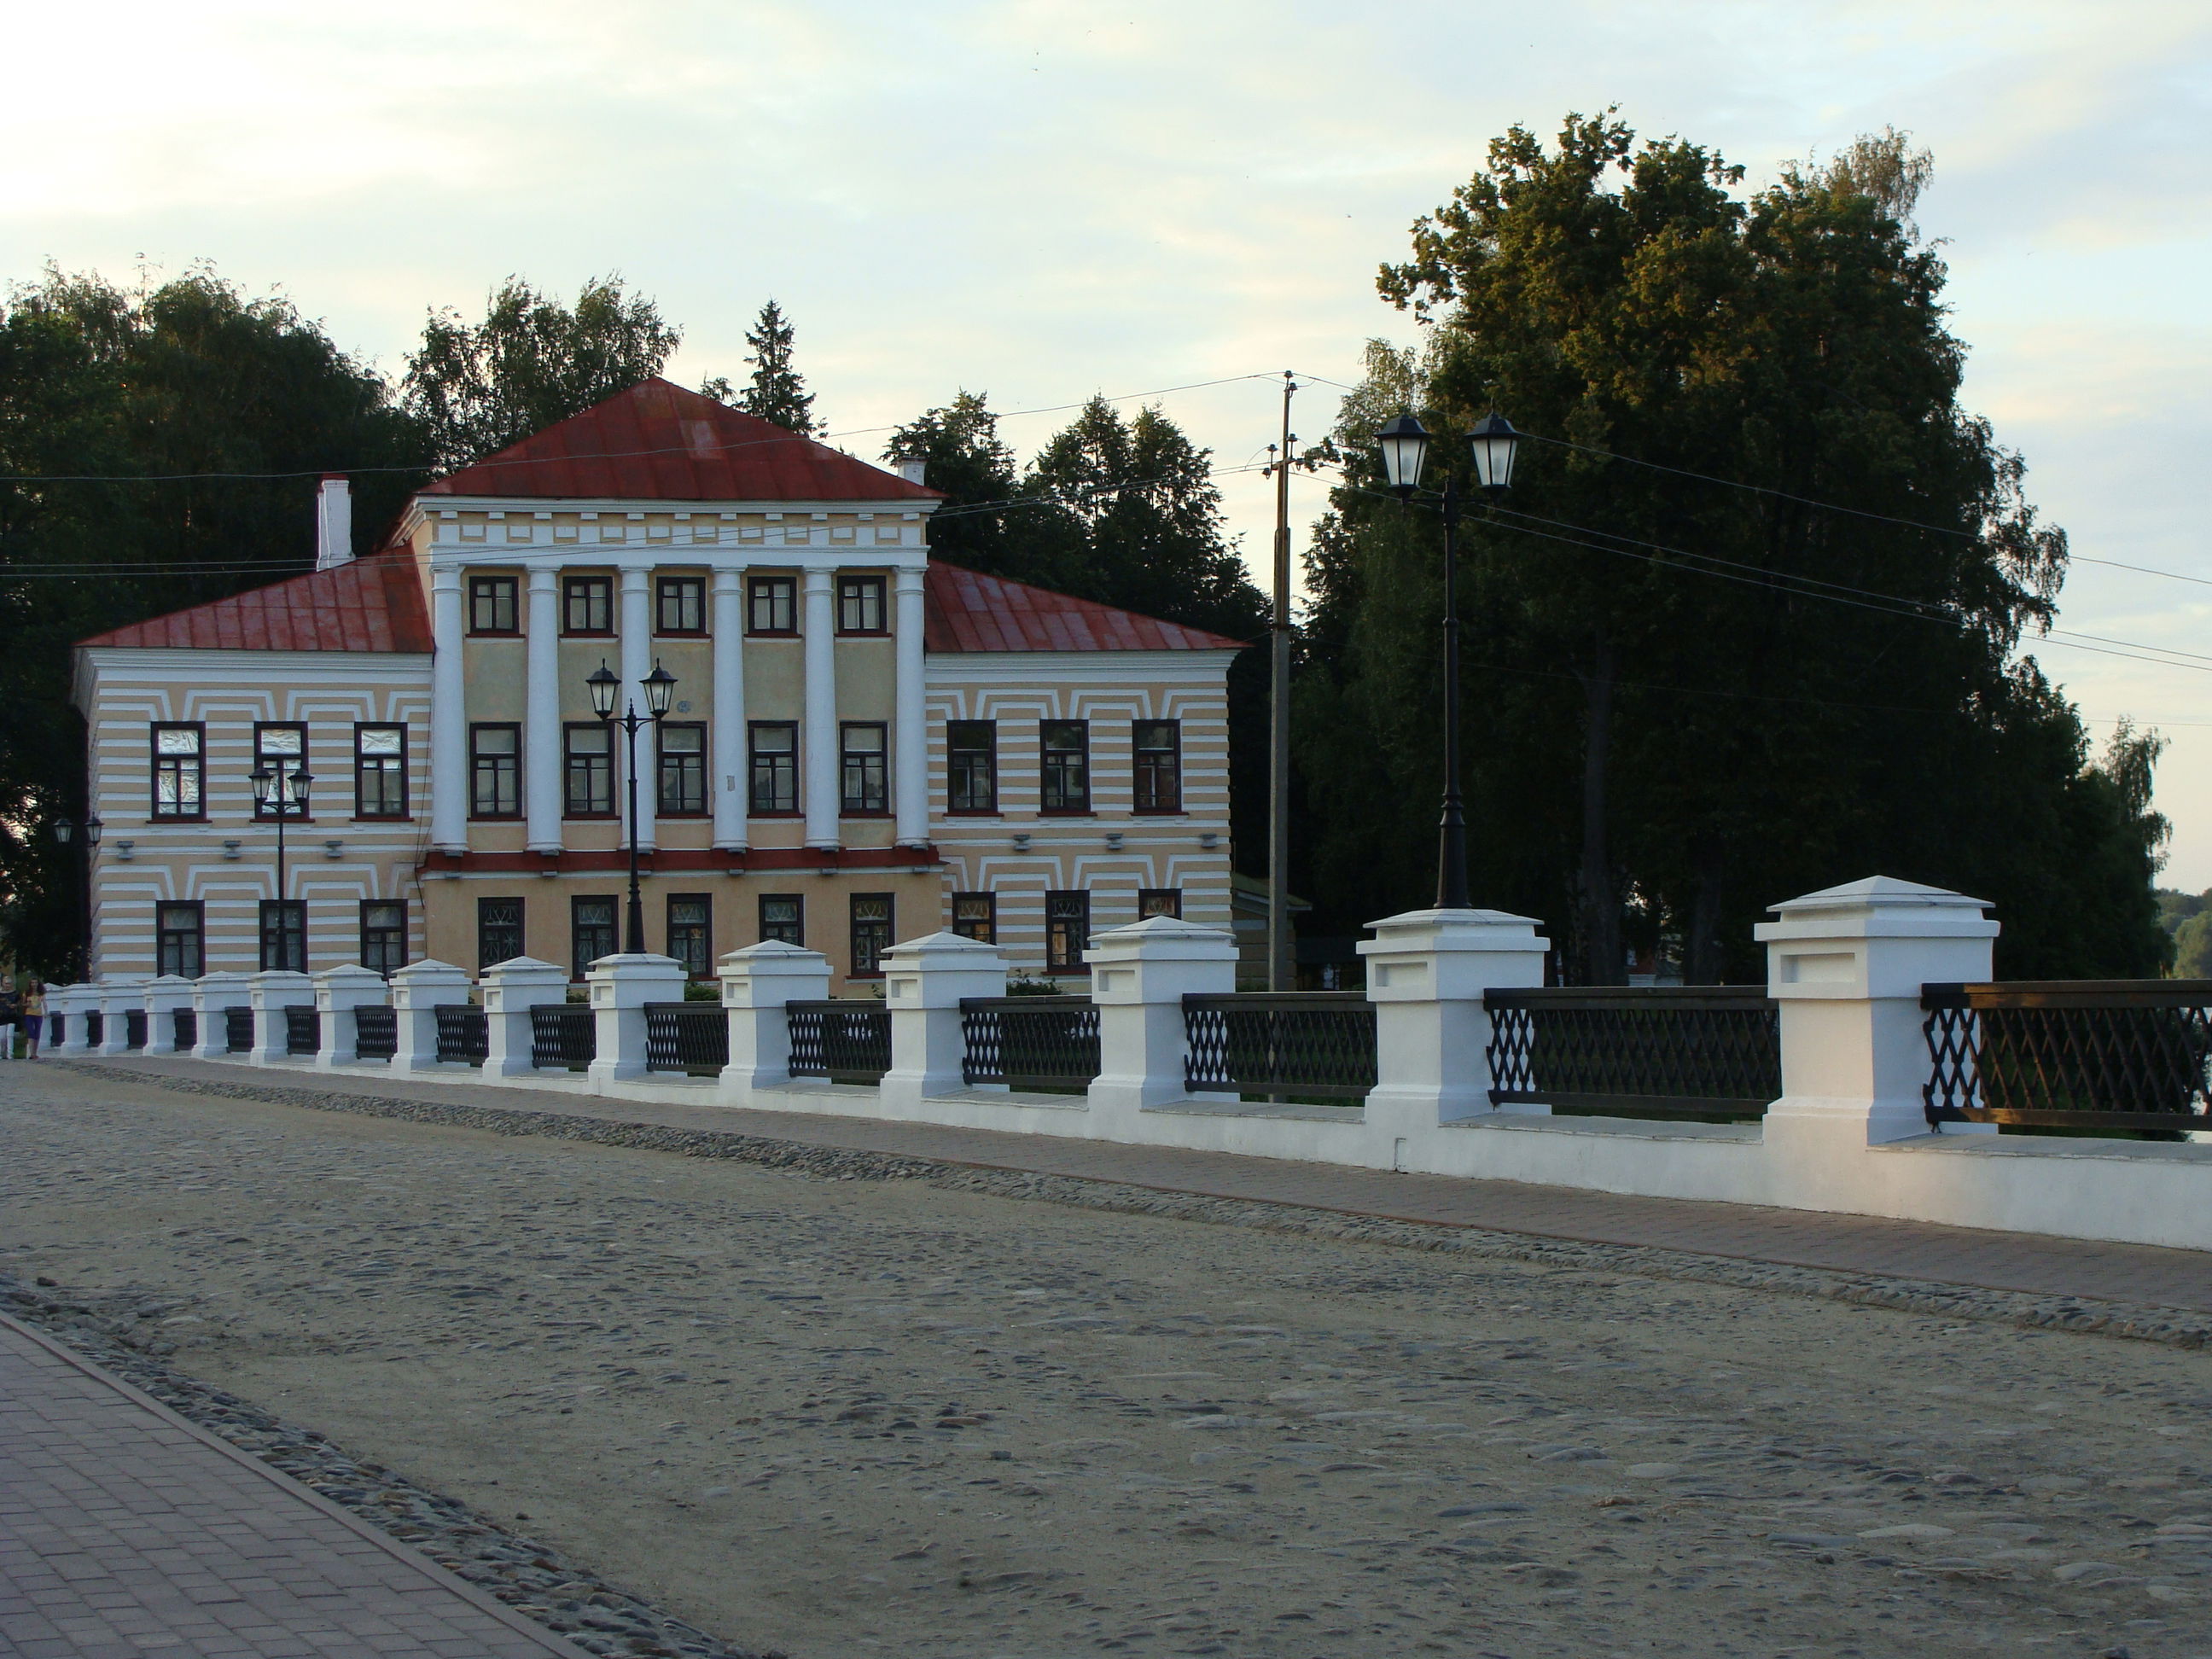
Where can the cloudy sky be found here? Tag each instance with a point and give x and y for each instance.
(1044, 200)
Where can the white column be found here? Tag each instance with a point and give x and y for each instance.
(338, 992)
(511, 990)
(818, 739)
(213, 995)
(449, 719)
(541, 741)
(636, 663)
(1139, 976)
(732, 789)
(163, 996)
(757, 982)
(924, 980)
(418, 990)
(620, 987)
(909, 745)
(270, 993)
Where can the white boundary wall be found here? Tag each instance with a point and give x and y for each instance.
(1849, 1133)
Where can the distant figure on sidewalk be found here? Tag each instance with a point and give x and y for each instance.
(11, 1010)
(34, 1019)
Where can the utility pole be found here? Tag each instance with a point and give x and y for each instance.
(1282, 968)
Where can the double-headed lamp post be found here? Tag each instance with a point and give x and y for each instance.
(283, 795)
(658, 686)
(65, 832)
(1405, 447)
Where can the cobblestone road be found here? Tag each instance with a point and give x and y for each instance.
(846, 1417)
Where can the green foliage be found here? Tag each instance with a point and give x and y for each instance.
(189, 383)
(477, 387)
(1685, 701)
(775, 393)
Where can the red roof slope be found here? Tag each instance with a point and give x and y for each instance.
(967, 610)
(370, 605)
(659, 442)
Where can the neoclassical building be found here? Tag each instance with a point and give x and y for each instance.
(861, 744)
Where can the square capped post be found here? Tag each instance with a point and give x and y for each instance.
(924, 981)
(757, 982)
(338, 993)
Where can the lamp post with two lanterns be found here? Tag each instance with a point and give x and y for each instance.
(658, 685)
(283, 795)
(65, 832)
(1405, 446)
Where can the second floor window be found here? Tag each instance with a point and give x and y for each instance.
(772, 604)
(683, 770)
(499, 931)
(680, 604)
(860, 605)
(1065, 785)
(178, 772)
(862, 787)
(1157, 748)
(496, 771)
(971, 760)
(588, 764)
(491, 605)
(281, 749)
(775, 766)
(587, 604)
(783, 916)
(379, 771)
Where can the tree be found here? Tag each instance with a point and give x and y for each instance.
(161, 448)
(990, 521)
(477, 387)
(775, 393)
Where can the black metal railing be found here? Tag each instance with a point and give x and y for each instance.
(1030, 1043)
(134, 1028)
(95, 1028)
(375, 1032)
(2070, 1054)
(564, 1037)
(844, 1042)
(187, 1030)
(1691, 1051)
(687, 1037)
(238, 1030)
(1318, 1044)
(464, 1033)
(303, 1030)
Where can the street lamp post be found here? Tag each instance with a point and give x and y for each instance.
(658, 686)
(1405, 446)
(282, 794)
(65, 832)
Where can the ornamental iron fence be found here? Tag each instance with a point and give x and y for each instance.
(563, 1036)
(1689, 1051)
(95, 1028)
(844, 1042)
(375, 1032)
(1319, 1043)
(134, 1028)
(1030, 1043)
(2070, 1054)
(464, 1033)
(238, 1030)
(303, 1030)
(686, 1037)
(187, 1028)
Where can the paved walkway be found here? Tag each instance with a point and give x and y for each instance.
(126, 1531)
(1849, 1243)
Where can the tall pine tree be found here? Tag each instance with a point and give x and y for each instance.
(776, 393)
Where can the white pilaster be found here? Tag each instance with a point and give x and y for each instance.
(339, 992)
(541, 741)
(620, 987)
(449, 717)
(163, 998)
(636, 663)
(1139, 976)
(418, 991)
(818, 739)
(910, 744)
(757, 982)
(511, 989)
(924, 980)
(1426, 972)
(213, 995)
(730, 786)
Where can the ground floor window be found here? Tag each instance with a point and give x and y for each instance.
(384, 935)
(1066, 930)
(783, 917)
(499, 931)
(872, 932)
(179, 932)
(284, 935)
(1159, 901)
(591, 931)
(975, 916)
(691, 933)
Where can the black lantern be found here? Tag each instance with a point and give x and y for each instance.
(265, 783)
(1405, 447)
(658, 686)
(1495, 443)
(64, 830)
(603, 685)
(295, 790)
(92, 829)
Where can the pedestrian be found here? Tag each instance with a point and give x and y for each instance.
(34, 1019)
(11, 1008)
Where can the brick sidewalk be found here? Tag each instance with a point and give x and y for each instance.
(2024, 1262)
(126, 1531)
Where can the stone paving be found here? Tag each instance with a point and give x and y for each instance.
(126, 1531)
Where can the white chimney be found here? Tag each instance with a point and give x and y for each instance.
(914, 471)
(333, 523)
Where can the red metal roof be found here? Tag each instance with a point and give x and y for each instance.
(370, 605)
(967, 611)
(656, 442)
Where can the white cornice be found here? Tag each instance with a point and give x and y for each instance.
(422, 507)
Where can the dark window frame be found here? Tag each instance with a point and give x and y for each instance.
(1156, 784)
(385, 932)
(477, 762)
(962, 766)
(198, 761)
(775, 592)
(570, 756)
(576, 587)
(485, 930)
(705, 927)
(869, 950)
(663, 588)
(965, 926)
(167, 935)
(856, 595)
(1050, 772)
(360, 769)
(769, 930)
(1172, 897)
(1063, 952)
(262, 814)
(754, 755)
(289, 917)
(696, 766)
(879, 785)
(499, 593)
(579, 961)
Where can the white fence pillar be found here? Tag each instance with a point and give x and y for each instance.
(1140, 974)
(213, 995)
(1426, 972)
(269, 994)
(511, 989)
(418, 991)
(924, 980)
(338, 992)
(121, 995)
(756, 981)
(620, 986)
(1847, 965)
(161, 998)
(69, 1004)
